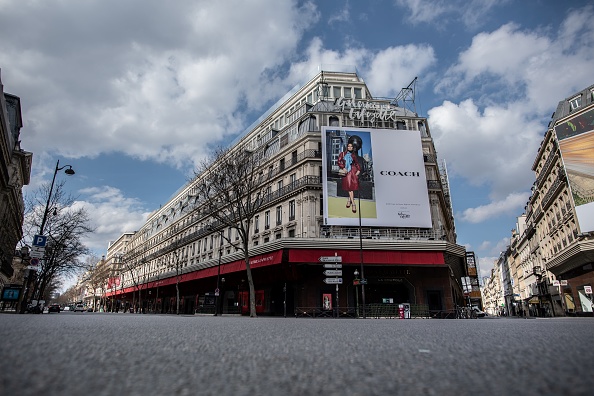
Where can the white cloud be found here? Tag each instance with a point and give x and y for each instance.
(393, 68)
(422, 12)
(385, 71)
(533, 67)
(493, 148)
(341, 16)
(143, 78)
(517, 78)
(512, 204)
(486, 264)
(472, 13)
(111, 214)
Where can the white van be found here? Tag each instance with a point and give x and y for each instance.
(79, 307)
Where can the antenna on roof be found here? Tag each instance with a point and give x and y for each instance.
(323, 88)
(406, 97)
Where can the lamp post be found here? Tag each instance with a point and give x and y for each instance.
(361, 249)
(356, 282)
(222, 299)
(218, 291)
(69, 172)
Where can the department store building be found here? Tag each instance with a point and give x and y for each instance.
(402, 238)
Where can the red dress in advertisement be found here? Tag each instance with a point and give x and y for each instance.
(350, 182)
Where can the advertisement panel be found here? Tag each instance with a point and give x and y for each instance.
(576, 142)
(382, 167)
(113, 282)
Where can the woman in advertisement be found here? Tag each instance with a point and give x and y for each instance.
(349, 161)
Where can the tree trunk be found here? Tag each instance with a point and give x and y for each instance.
(251, 285)
(177, 297)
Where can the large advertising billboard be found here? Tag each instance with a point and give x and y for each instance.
(384, 168)
(576, 142)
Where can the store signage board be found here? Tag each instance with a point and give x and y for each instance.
(588, 289)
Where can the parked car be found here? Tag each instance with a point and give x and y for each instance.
(53, 308)
(79, 308)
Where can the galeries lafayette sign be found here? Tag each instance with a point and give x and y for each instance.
(369, 111)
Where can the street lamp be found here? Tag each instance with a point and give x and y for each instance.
(217, 291)
(69, 172)
(361, 248)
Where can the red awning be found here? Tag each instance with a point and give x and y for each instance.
(374, 257)
(262, 260)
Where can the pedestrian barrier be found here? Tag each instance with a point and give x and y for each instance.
(317, 312)
(384, 311)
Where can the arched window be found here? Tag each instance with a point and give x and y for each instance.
(308, 125)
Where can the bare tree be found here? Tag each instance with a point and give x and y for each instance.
(175, 264)
(68, 296)
(133, 267)
(98, 277)
(230, 188)
(65, 228)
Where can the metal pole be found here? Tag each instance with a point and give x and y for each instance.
(337, 305)
(361, 252)
(357, 300)
(218, 277)
(49, 197)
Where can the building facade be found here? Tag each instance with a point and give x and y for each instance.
(15, 171)
(177, 249)
(551, 252)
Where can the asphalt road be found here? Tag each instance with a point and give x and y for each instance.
(129, 354)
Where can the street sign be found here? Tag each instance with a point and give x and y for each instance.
(333, 272)
(330, 259)
(333, 281)
(37, 253)
(34, 262)
(332, 265)
(563, 282)
(588, 289)
(556, 283)
(39, 240)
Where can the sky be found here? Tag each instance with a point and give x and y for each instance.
(134, 94)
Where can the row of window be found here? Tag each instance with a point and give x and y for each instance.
(279, 217)
(326, 91)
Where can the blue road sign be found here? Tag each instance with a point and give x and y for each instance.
(39, 240)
